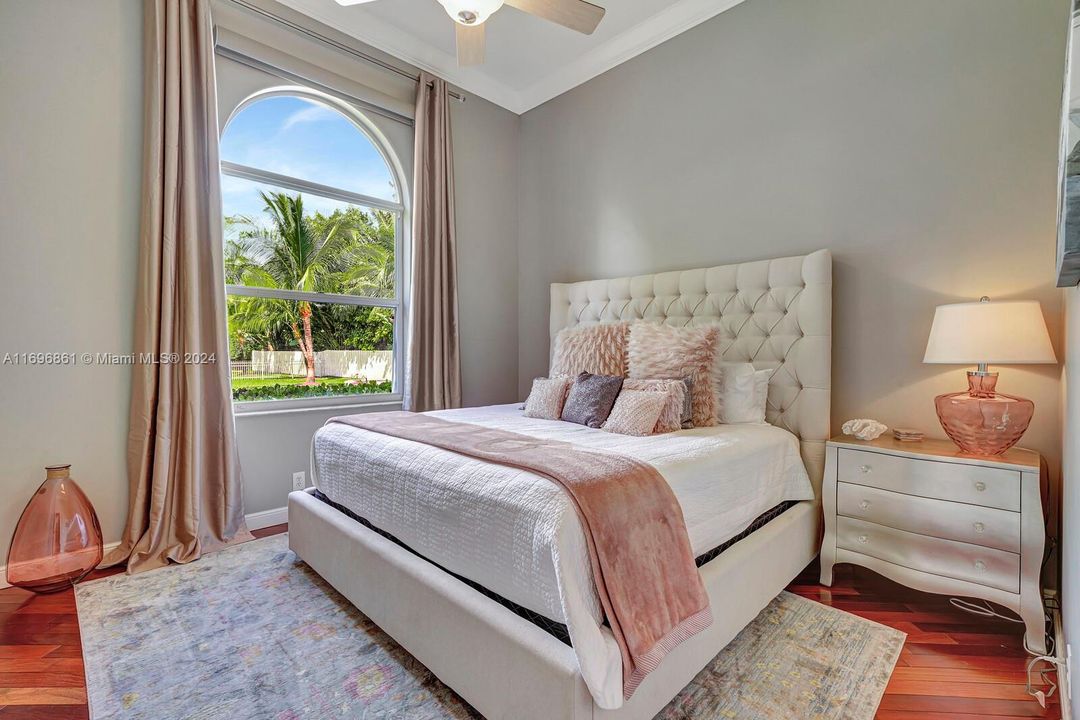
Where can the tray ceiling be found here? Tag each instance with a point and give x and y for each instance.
(529, 61)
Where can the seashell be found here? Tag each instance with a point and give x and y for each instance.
(864, 428)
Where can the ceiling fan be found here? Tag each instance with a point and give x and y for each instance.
(469, 17)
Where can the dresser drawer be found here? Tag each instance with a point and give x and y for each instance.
(984, 526)
(947, 558)
(975, 484)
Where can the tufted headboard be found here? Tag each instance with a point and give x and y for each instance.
(773, 313)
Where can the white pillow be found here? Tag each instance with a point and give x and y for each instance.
(741, 393)
(761, 393)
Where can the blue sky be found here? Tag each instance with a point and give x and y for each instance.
(303, 139)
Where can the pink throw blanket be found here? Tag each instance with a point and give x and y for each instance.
(642, 562)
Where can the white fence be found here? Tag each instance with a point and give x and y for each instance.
(374, 365)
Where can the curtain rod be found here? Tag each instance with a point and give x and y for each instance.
(257, 64)
(341, 47)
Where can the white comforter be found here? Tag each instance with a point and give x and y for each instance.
(517, 534)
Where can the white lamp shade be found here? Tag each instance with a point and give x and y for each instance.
(999, 333)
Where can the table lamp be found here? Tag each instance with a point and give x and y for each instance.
(980, 420)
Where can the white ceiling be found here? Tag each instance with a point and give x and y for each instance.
(529, 60)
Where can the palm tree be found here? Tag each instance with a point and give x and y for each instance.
(369, 259)
(348, 252)
(290, 254)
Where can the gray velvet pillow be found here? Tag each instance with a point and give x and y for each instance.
(591, 399)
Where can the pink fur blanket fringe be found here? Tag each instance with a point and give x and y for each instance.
(642, 562)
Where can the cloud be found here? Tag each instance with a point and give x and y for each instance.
(300, 138)
(311, 114)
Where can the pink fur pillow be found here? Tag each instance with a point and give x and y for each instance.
(661, 351)
(674, 391)
(635, 412)
(596, 349)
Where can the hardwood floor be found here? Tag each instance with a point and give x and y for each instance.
(954, 665)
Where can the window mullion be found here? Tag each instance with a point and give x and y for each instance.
(246, 172)
(331, 298)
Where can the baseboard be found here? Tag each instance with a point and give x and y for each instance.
(109, 547)
(266, 518)
(1064, 696)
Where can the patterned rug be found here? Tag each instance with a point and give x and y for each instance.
(253, 633)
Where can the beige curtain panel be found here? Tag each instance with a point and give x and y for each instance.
(183, 470)
(434, 370)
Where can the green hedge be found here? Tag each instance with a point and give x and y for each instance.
(278, 392)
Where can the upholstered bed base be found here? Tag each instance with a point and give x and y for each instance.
(776, 314)
(502, 664)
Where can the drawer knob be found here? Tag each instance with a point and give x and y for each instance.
(863, 539)
(980, 486)
(864, 505)
(980, 565)
(979, 527)
(865, 469)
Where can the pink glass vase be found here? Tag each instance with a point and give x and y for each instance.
(982, 421)
(58, 538)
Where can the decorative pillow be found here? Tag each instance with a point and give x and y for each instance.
(741, 393)
(688, 408)
(597, 349)
(761, 393)
(590, 399)
(635, 412)
(674, 391)
(546, 398)
(661, 351)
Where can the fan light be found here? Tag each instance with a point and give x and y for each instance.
(470, 12)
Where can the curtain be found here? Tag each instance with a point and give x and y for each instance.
(183, 470)
(434, 370)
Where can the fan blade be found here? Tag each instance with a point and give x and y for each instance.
(574, 14)
(470, 44)
(346, 3)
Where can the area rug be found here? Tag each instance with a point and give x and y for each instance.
(252, 632)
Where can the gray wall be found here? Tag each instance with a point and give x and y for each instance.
(917, 140)
(486, 175)
(70, 138)
(1070, 479)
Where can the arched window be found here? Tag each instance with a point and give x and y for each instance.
(313, 217)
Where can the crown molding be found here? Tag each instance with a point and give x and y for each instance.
(666, 24)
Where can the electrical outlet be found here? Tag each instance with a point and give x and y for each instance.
(299, 480)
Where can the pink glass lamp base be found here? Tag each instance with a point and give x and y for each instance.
(982, 421)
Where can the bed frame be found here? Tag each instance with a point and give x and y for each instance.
(776, 314)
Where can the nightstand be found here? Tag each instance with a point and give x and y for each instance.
(929, 517)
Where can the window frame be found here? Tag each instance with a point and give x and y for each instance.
(402, 257)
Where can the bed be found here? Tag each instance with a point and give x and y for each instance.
(473, 590)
